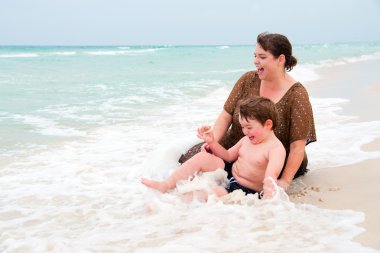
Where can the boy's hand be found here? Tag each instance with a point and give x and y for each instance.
(268, 188)
(205, 129)
(205, 133)
(206, 148)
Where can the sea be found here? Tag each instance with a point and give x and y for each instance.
(80, 125)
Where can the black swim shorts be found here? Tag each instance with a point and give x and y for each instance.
(233, 184)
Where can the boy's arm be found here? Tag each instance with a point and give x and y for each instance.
(206, 133)
(229, 155)
(276, 161)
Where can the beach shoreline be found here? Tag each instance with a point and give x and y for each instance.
(357, 81)
(352, 186)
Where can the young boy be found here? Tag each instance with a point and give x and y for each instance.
(256, 157)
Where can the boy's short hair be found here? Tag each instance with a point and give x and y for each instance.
(258, 108)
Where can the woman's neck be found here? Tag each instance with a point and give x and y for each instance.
(279, 81)
(275, 88)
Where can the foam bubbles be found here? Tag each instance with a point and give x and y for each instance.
(338, 136)
(305, 73)
(124, 52)
(348, 60)
(20, 55)
(47, 126)
(64, 53)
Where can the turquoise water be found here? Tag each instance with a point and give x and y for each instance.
(71, 85)
(80, 125)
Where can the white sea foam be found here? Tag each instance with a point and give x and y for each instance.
(229, 71)
(33, 55)
(47, 126)
(308, 72)
(74, 203)
(85, 196)
(67, 53)
(348, 60)
(305, 73)
(339, 136)
(124, 52)
(21, 55)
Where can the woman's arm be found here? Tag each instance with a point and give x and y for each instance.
(222, 124)
(296, 155)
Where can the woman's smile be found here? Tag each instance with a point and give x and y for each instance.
(260, 71)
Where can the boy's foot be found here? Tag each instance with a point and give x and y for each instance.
(157, 185)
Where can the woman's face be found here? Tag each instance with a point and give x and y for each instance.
(265, 63)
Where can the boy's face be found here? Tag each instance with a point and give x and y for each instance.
(254, 130)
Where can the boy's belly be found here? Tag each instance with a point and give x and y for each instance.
(248, 176)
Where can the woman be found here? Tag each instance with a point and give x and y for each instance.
(273, 59)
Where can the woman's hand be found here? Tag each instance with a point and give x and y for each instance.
(296, 155)
(283, 184)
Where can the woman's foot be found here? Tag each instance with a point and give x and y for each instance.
(157, 185)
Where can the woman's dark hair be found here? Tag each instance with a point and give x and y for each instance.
(277, 45)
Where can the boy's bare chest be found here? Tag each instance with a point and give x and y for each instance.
(255, 155)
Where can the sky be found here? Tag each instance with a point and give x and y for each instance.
(180, 22)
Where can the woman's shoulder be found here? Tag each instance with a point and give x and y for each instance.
(297, 91)
(298, 86)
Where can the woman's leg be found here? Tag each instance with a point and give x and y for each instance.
(190, 153)
(201, 162)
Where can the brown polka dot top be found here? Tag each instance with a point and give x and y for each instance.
(295, 115)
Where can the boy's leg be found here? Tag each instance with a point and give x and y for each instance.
(201, 162)
(220, 191)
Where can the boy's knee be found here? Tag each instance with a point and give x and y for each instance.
(204, 155)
